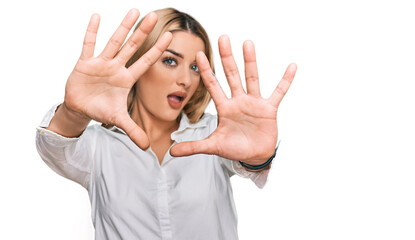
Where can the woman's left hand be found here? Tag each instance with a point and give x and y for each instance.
(247, 123)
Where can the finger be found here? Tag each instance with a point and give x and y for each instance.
(151, 56)
(251, 70)
(229, 66)
(136, 134)
(137, 38)
(90, 37)
(209, 79)
(193, 147)
(118, 38)
(283, 85)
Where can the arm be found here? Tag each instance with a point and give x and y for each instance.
(67, 123)
(97, 89)
(247, 129)
(259, 177)
(70, 157)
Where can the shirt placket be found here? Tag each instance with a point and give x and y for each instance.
(163, 201)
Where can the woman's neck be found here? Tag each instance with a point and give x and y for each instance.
(155, 128)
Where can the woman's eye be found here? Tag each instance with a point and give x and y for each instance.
(170, 61)
(195, 68)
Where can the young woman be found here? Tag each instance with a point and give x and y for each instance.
(159, 167)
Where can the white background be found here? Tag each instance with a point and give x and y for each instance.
(346, 164)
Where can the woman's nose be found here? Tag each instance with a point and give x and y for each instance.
(184, 78)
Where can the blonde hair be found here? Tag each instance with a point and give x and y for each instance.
(172, 20)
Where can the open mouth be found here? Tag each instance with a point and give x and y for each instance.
(176, 99)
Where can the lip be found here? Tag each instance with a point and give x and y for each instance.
(176, 99)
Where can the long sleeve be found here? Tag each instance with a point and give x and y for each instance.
(69, 157)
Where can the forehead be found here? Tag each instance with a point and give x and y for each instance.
(186, 43)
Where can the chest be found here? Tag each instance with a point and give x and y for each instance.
(135, 184)
(160, 148)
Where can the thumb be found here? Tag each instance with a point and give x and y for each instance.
(205, 146)
(134, 132)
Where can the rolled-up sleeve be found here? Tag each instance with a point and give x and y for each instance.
(69, 157)
(234, 167)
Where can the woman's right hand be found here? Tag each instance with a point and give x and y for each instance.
(98, 87)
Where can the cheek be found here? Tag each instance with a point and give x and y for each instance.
(148, 91)
(152, 83)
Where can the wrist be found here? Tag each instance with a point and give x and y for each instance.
(67, 122)
(259, 167)
(72, 115)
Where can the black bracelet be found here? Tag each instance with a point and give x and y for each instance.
(257, 167)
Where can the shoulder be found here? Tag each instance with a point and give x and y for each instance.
(98, 132)
(101, 139)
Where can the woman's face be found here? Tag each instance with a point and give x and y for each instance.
(168, 85)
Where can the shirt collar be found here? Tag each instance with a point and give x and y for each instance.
(185, 123)
(183, 126)
(180, 134)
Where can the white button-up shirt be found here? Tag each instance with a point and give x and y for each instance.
(134, 197)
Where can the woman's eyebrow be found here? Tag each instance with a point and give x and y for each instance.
(175, 53)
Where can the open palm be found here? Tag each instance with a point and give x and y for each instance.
(247, 123)
(98, 87)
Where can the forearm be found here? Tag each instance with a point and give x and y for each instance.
(68, 123)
